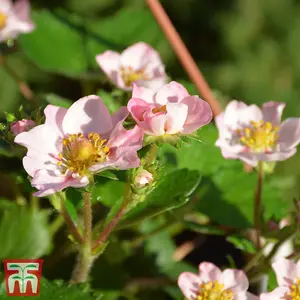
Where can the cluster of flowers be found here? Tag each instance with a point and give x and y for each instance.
(231, 284)
(75, 143)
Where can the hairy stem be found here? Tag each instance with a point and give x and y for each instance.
(85, 258)
(114, 222)
(71, 226)
(257, 205)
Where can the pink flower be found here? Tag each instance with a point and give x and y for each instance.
(253, 134)
(77, 142)
(288, 279)
(212, 283)
(14, 19)
(139, 63)
(143, 178)
(169, 111)
(21, 126)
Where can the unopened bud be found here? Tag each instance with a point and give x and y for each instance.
(143, 178)
(21, 126)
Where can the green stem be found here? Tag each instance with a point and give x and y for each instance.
(72, 227)
(257, 205)
(114, 222)
(85, 257)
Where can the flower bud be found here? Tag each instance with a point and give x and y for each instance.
(143, 178)
(21, 126)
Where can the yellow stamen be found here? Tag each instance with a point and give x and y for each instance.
(129, 75)
(80, 153)
(213, 290)
(3, 19)
(260, 136)
(295, 291)
(162, 109)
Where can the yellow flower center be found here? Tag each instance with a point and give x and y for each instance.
(295, 290)
(79, 153)
(3, 19)
(214, 291)
(129, 75)
(260, 136)
(162, 109)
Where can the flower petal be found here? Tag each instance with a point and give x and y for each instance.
(154, 83)
(235, 280)
(231, 113)
(272, 112)
(285, 270)
(42, 139)
(276, 294)
(199, 114)
(154, 124)
(54, 117)
(175, 117)
(137, 108)
(123, 145)
(49, 182)
(142, 93)
(88, 114)
(119, 116)
(189, 285)
(289, 133)
(171, 93)
(276, 156)
(109, 62)
(209, 272)
(22, 10)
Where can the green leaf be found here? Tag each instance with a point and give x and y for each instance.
(56, 44)
(204, 228)
(172, 192)
(58, 100)
(242, 243)
(108, 174)
(23, 233)
(55, 290)
(9, 117)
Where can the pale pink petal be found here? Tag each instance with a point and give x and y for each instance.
(22, 10)
(199, 114)
(276, 294)
(276, 156)
(137, 108)
(142, 93)
(175, 117)
(49, 182)
(54, 117)
(251, 113)
(139, 56)
(209, 272)
(189, 285)
(88, 114)
(143, 178)
(42, 139)
(35, 160)
(171, 93)
(154, 124)
(123, 145)
(232, 111)
(289, 133)
(109, 62)
(153, 84)
(6, 6)
(272, 112)
(235, 280)
(120, 115)
(249, 158)
(285, 270)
